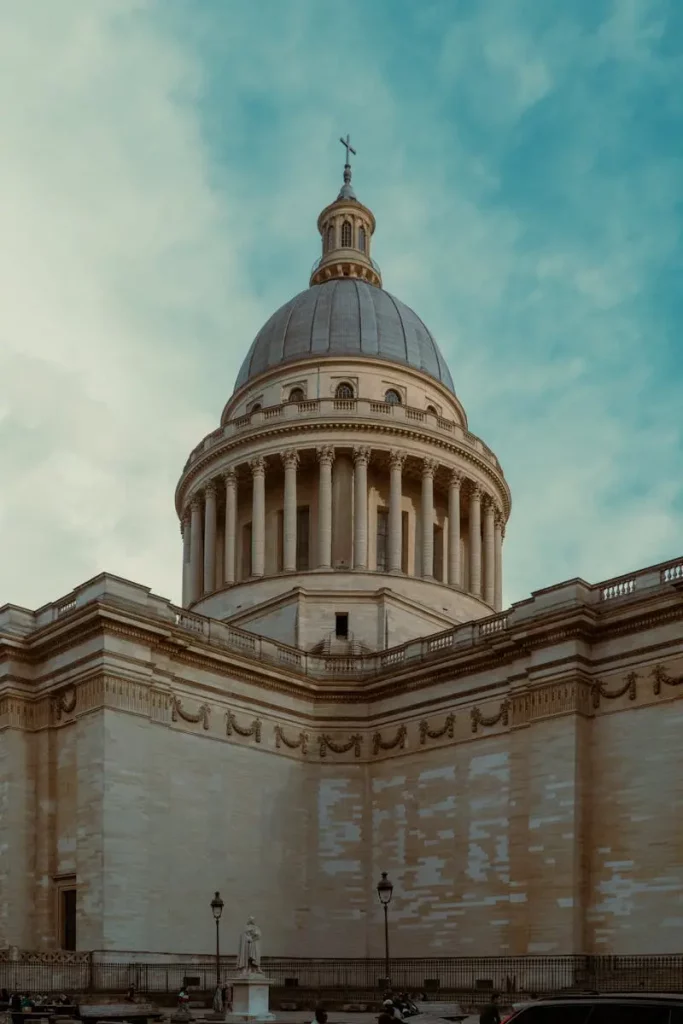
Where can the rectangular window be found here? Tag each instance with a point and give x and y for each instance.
(341, 625)
(302, 534)
(68, 918)
(246, 551)
(382, 539)
(438, 553)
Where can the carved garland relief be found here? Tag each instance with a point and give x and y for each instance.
(575, 696)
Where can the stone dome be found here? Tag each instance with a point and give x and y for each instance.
(345, 317)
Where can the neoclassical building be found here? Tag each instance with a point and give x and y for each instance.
(343, 691)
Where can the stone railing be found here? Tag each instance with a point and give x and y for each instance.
(135, 599)
(353, 408)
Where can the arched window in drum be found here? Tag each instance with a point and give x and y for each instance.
(344, 390)
(392, 397)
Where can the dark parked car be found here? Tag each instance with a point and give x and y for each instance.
(602, 1009)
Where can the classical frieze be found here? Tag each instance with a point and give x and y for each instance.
(363, 743)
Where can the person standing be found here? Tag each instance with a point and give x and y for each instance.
(491, 1013)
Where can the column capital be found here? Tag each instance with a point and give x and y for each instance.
(210, 489)
(361, 455)
(325, 454)
(489, 504)
(258, 466)
(396, 459)
(229, 477)
(290, 458)
(476, 491)
(195, 502)
(429, 467)
(456, 478)
(499, 519)
(185, 518)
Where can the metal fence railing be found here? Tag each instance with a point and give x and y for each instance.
(86, 973)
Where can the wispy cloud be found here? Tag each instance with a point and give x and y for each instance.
(163, 165)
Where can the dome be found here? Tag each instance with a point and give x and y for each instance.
(345, 317)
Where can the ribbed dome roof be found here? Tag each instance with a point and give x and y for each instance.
(344, 317)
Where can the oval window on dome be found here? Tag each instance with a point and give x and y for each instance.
(392, 397)
(347, 235)
(296, 395)
(344, 390)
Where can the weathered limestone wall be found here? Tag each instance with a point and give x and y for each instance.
(636, 850)
(185, 815)
(16, 835)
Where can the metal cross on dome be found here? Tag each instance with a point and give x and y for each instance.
(349, 148)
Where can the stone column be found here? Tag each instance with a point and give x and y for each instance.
(290, 459)
(489, 564)
(258, 516)
(498, 534)
(325, 459)
(454, 575)
(209, 538)
(475, 540)
(230, 548)
(185, 531)
(196, 550)
(361, 457)
(396, 460)
(429, 467)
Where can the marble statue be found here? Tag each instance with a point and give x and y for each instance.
(249, 951)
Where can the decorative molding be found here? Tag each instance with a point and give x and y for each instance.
(12, 954)
(488, 721)
(399, 741)
(571, 697)
(630, 686)
(64, 702)
(660, 677)
(325, 454)
(447, 729)
(361, 455)
(325, 743)
(299, 744)
(231, 727)
(202, 714)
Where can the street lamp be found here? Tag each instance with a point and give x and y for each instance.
(385, 891)
(217, 909)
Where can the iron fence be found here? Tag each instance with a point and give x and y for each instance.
(436, 977)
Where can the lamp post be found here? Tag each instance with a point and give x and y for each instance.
(217, 909)
(385, 891)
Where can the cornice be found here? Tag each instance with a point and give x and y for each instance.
(296, 427)
(583, 624)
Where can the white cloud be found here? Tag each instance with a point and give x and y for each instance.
(160, 186)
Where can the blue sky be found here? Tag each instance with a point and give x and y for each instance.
(163, 167)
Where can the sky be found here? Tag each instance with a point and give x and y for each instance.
(163, 165)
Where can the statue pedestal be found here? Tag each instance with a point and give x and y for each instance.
(250, 998)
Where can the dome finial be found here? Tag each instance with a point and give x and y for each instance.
(346, 191)
(346, 227)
